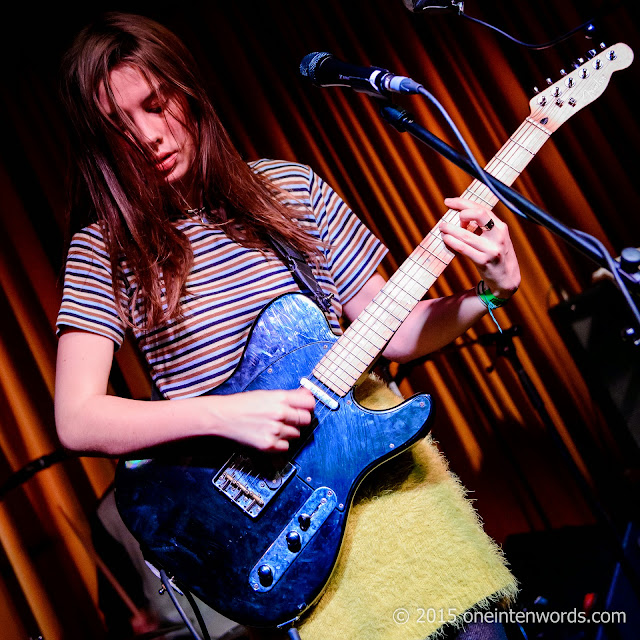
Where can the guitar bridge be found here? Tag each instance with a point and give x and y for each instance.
(248, 487)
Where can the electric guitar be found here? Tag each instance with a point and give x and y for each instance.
(257, 536)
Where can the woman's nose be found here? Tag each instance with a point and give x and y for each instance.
(151, 129)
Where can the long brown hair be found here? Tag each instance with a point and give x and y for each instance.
(112, 180)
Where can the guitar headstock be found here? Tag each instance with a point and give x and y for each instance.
(559, 101)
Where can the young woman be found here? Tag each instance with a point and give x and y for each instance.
(171, 241)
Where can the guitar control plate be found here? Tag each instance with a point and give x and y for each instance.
(292, 539)
(249, 488)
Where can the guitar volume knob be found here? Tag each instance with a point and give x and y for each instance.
(294, 541)
(265, 575)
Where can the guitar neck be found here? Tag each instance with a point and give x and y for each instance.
(356, 350)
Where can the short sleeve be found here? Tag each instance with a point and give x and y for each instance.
(88, 301)
(354, 251)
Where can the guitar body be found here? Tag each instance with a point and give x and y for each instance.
(257, 536)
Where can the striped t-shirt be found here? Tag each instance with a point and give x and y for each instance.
(226, 289)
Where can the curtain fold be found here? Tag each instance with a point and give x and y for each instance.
(486, 423)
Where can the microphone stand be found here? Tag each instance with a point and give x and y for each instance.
(627, 269)
(629, 276)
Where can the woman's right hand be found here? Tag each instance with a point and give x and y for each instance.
(89, 419)
(264, 420)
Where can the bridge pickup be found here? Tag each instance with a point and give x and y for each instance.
(292, 539)
(248, 487)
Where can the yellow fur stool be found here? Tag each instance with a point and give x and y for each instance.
(415, 556)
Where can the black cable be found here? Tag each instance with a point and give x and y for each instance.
(293, 634)
(183, 615)
(198, 615)
(587, 26)
(476, 165)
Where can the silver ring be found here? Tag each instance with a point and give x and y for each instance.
(488, 226)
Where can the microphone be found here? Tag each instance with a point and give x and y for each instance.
(325, 70)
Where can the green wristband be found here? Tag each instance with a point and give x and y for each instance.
(490, 301)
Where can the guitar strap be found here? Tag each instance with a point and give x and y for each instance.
(302, 273)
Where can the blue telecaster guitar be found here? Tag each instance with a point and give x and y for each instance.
(257, 536)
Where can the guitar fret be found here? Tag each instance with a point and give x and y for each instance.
(421, 274)
(387, 319)
(425, 255)
(431, 246)
(343, 362)
(384, 309)
(354, 351)
(383, 331)
(422, 256)
(530, 139)
(503, 168)
(372, 336)
(526, 138)
(337, 358)
(538, 126)
(416, 270)
(430, 253)
(416, 288)
(434, 236)
(365, 345)
(508, 166)
(512, 153)
(387, 302)
(332, 379)
(397, 299)
(489, 202)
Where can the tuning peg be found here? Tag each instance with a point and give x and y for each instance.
(592, 53)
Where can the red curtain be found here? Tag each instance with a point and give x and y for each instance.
(494, 436)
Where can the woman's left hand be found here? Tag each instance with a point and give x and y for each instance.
(490, 249)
